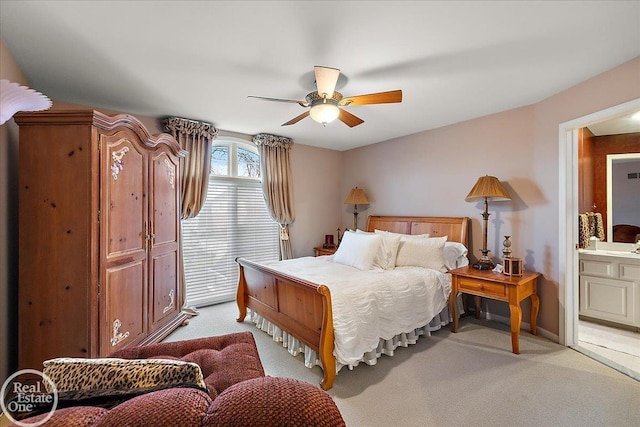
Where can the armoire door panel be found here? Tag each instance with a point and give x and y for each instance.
(124, 195)
(164, 207)
(164, 292)
(124, 305)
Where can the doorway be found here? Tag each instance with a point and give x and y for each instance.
(568, 218)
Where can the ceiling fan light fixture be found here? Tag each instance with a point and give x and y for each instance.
(324, 112)
(324, 108)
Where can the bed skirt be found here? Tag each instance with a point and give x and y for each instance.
(311, 359)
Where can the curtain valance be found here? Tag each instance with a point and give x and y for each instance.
(177, 125)
(272, 141)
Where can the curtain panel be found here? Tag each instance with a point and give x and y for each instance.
(197, 138)
(277, 184)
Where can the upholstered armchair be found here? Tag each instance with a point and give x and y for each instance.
(234, 392)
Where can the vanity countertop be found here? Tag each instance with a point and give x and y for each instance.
(609, 253)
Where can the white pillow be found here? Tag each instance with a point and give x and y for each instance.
(425, 252)
(358, 250)
(455, 255)
(403, 237)
(387, 251)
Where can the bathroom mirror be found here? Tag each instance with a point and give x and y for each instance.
(623, 196)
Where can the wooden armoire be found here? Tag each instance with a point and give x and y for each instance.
(99, 235)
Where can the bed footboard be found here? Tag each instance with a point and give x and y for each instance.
(301, 308)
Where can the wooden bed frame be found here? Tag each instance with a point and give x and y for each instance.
(302, 308)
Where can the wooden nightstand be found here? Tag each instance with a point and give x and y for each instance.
(489, 284)
(324, 251)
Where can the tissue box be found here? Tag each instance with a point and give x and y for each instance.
(512, 266)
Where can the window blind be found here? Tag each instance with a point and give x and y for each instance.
(234, 222)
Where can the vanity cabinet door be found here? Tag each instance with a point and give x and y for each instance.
(608, 299)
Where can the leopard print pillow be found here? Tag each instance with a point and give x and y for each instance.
(69, 374)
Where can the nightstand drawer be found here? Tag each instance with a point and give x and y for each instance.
(482, 287)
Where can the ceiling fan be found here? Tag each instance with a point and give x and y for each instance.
(324, 104)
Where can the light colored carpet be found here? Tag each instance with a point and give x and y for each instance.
(470, 378)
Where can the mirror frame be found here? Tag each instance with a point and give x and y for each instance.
(610, 159)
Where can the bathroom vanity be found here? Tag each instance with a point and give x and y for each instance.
(610, 284)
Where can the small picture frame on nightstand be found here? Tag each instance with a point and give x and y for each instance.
(512, 266)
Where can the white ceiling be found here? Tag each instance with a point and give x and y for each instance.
(454, 61)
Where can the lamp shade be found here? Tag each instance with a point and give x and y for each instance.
(487, 187)
(324, 113)
(356, 197)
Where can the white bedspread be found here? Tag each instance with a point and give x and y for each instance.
(372, 305)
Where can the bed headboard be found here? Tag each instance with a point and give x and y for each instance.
(456, 228)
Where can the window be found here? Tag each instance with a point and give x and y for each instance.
(234, 222)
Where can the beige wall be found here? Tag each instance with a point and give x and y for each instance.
(431, 172)
(9, 70)
(317, 178)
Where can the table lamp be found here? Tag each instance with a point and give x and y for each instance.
(356, 197)
(487, 187)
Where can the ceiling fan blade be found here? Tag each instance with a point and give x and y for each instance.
(295, 101)
(326, 79)
(349, 119)
(373, 98)
(296, 119)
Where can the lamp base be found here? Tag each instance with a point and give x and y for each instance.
(484, 265)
